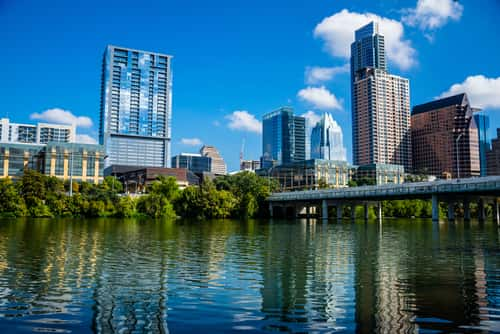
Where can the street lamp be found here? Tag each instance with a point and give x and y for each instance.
(456, 148)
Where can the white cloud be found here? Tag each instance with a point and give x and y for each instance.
(311, 118)
(85, 139)
(60, 116)
(319, 97)
(191, 141)
(433, 14)
(244, 121)
(216, 123)
(316, 75)
(337, 31)
(483, 92)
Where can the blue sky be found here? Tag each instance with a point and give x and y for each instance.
(237, 60)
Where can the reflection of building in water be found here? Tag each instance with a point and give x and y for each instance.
(383, 300)
(308, 274)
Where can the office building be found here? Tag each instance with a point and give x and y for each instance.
(80, 162)
(379, 174)
(249, 165)
(327, 140)
(218, 166)
(194, 162)
(40, 133)
(310, 174)
(445, 138)
(493, 156)
(284, 137)
(138, 180)
(136, 101)
(380, 104)
(483, 123)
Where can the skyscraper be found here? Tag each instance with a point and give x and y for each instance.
(218, 166)
(443, 131)
(284, 137)
(327, 141)
(136, 104)
(380, 104)
(483, 124)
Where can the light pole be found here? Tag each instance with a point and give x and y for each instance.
(71, 174)
(456, 148)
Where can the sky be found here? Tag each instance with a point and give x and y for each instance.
(236, 60)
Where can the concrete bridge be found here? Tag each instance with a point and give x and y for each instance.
(482, 190)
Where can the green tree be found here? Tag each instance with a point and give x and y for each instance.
(11, 203)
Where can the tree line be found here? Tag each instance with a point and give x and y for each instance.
(36, 195)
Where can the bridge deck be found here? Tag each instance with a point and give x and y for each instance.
(484, 186)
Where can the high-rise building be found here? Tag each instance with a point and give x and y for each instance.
(368, 49)
(483, 124)
(136, 104)
(41, 133)
(326, 140)
(493, 156)
(380, 104)
(381, 110)
(195, 162)
(443, 131)
(218, 165)
(284, 137)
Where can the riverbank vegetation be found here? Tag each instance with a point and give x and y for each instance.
(242, 195)
(38, 195)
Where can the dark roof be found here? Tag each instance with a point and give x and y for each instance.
(438, 104)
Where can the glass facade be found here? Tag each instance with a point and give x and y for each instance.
(136, 107)
(327, 140)
(82, 162)
(483, 125)
(284, 137)
(194, 162)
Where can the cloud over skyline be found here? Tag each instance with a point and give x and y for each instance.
(61, 116)
(337, 32)
(483, 92)
(320, 98)
(433, 14)
(85, 139)
(242, 120)
(316, 75)
(191, 141)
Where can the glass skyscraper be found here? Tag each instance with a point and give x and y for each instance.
(284, 137)
(483, 124)
(327, 141)
(136, 102)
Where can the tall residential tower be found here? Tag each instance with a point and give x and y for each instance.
(380, 104)
(136, 102)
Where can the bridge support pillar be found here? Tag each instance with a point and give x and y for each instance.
(466, 209)
(435, 208)
(480, 207)
(340, 212)
(496, 211)
(353, 212)
(271, 210)
(366, 207)
(451, 211)
(324, 209)
(379, 212)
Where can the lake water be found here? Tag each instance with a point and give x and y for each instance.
(403, 276)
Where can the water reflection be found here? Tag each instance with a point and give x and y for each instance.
(225, 276)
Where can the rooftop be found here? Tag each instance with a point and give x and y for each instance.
(454, 100)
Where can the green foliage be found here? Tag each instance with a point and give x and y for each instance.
(250, 192)
(126, 207)
(156, 206)
(11, 203)
(111, 183)
(407, 208)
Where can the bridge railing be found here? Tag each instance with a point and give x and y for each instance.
(392, 190)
